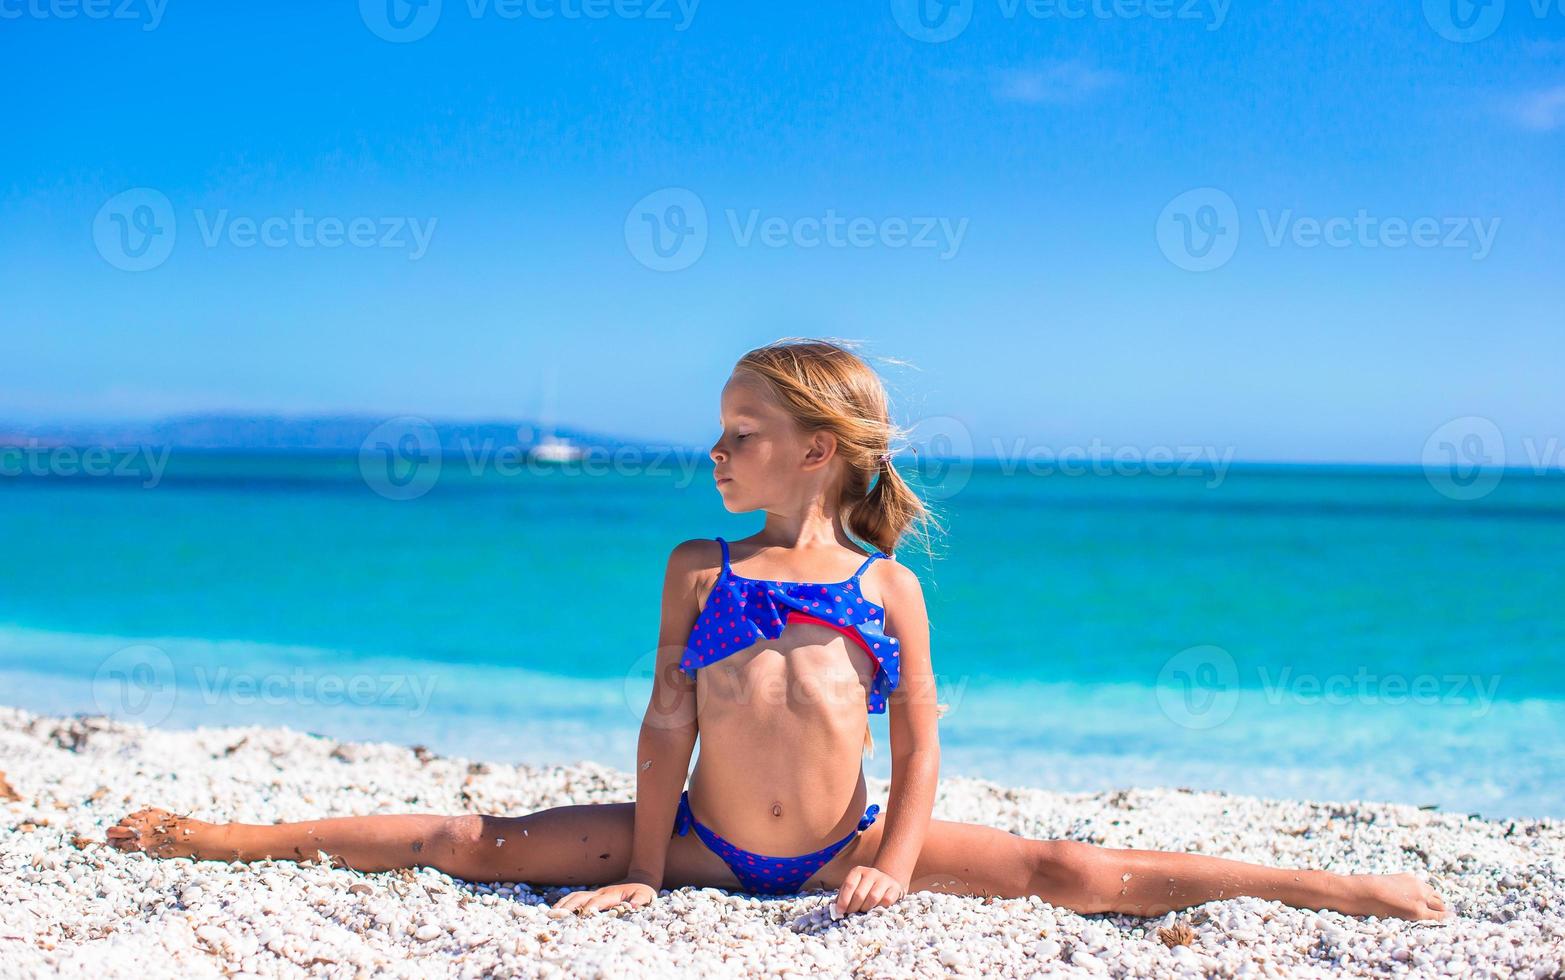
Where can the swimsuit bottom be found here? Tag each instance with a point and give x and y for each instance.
(762, 873)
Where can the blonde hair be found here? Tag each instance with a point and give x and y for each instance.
(825, 386)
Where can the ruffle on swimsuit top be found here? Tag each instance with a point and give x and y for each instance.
(741, 611)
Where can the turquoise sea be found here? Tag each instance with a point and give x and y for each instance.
(1285, 631)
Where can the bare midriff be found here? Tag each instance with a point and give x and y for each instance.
(782, 722)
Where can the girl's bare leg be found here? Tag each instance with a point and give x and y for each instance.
(587, 844)
(969, 859)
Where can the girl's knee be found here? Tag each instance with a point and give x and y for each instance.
(453, 846)
(1071, 873)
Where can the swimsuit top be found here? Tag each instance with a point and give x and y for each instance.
(742, 610)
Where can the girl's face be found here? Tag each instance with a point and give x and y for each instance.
(762, 457)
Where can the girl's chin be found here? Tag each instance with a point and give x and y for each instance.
(732, 503)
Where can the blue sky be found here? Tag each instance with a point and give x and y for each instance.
(1161, 223)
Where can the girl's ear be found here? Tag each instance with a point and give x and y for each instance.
(820, 449)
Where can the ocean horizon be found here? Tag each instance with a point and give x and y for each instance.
(1297, 631)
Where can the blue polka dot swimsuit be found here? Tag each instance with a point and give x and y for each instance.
(741, 611)
(764, 874)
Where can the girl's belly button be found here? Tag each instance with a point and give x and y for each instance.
(776, 809)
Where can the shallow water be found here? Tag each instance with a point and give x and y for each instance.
(1283, 631)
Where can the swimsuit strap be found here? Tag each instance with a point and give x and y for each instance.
(720, 541)
(867, 562)
(869, 816)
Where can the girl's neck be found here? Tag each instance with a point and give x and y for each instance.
(815, 528)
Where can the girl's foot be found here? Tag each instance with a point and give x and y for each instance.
(163, 835)
(1403, 896)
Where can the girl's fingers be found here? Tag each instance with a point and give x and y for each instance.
(845, 893)
(862, 890)
(884, 895)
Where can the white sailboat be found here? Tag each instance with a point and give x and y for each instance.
(551, 448)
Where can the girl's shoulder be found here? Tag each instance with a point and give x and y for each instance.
(696, 554)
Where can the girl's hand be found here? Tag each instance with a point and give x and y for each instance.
(637, 893)
(866, 887)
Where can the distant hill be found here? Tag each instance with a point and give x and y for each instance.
(250, 433)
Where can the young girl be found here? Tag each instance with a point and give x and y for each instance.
(775, 649)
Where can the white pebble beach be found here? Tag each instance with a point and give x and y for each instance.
(76, 907)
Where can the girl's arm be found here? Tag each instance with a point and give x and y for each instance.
(915, 752)
(668, 728)
(668, 736)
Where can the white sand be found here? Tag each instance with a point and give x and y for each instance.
(94, 911)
